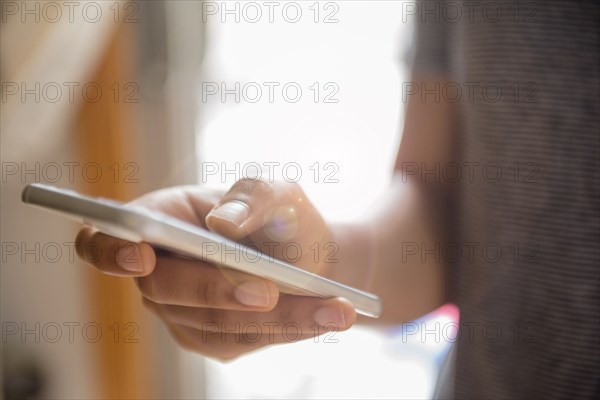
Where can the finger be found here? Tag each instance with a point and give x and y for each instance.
(194, 283)
(240, 210)
(305, 314)
(187, 203)
(114, 256)
(268, 212)
(252, 204)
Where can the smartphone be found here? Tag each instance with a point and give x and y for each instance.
(137, 224)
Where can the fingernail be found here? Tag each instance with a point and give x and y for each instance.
(253, 294)
(233, 211)
(331, 315)
(128, 258)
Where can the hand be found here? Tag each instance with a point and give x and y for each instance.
(220, 312)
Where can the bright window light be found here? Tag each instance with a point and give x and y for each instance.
(344, 143)
(338, 137)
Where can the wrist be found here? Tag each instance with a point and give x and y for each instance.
(354, 262)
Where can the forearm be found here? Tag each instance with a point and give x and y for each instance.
(379, 255)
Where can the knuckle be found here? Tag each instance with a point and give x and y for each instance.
(92, 254)
(291, 194)
(250, 187)
(285, 314)
(87, 247)
(210, 293)
(213, 317)
(290, 188)
(146, 288)
(250, 184)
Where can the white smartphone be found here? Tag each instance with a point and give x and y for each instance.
(137, 224)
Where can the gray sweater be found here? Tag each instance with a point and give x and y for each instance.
(525, 77)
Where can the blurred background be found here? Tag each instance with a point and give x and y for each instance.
(117, 98)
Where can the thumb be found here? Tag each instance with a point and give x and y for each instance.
(252, 204)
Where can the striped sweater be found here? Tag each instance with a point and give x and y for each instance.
(525, 78)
